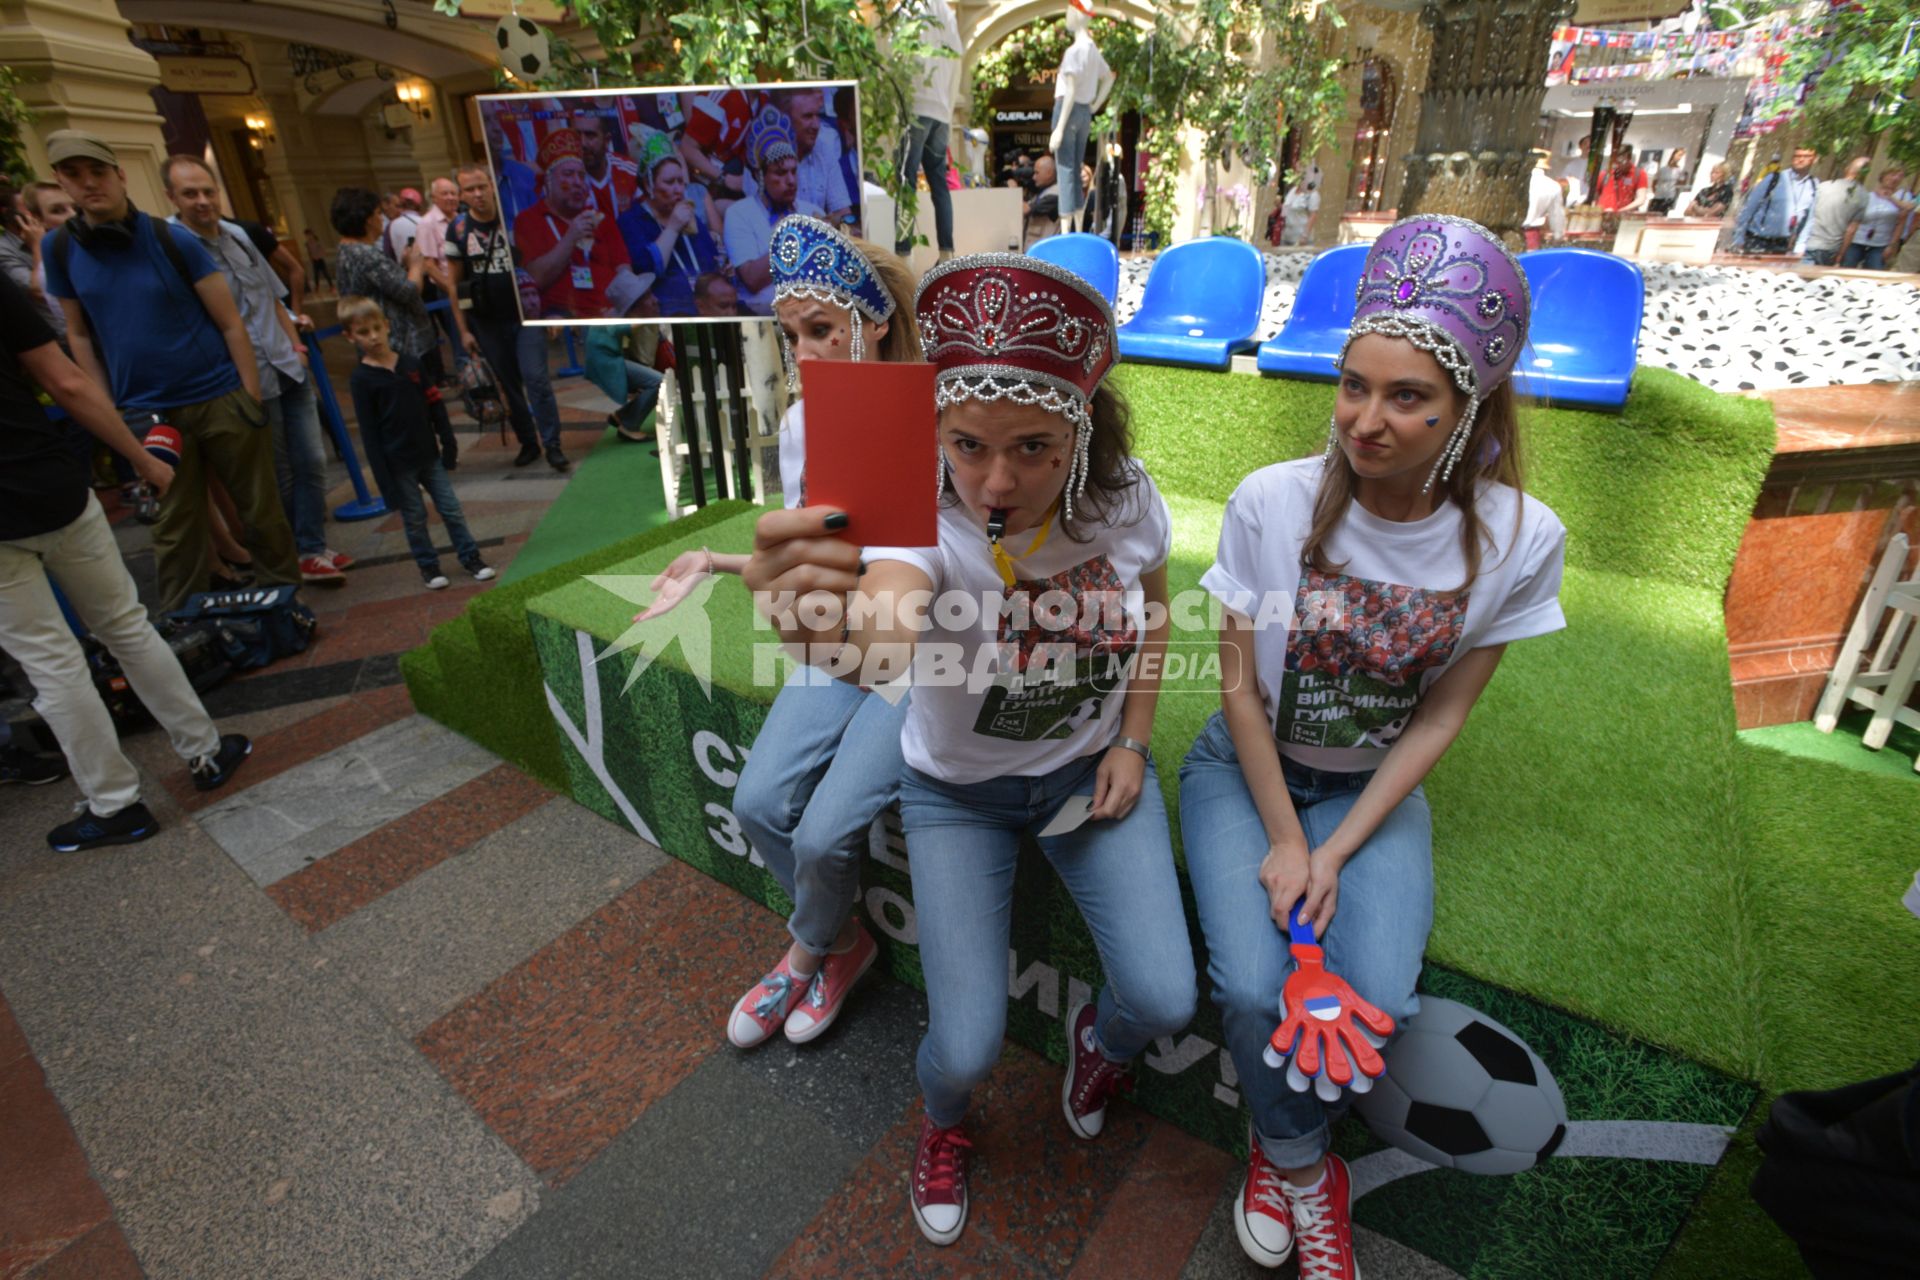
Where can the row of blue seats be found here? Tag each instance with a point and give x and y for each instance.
(1203, 301)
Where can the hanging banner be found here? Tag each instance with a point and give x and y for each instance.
(1596, 13)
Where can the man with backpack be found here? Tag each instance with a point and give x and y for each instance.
(50, 522)
(150, 317)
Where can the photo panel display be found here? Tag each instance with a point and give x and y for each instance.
(624, 205)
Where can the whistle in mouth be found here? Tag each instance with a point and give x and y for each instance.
(996, 523)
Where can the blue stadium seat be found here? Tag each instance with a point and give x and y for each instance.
(1308, 346)
(1584, 338)
(1092, 258)
(1202, 304)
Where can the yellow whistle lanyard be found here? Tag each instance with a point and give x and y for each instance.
(1004, 562)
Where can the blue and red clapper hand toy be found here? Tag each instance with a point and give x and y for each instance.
(1329, 1038)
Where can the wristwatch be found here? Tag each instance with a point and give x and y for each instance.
(1134, 744)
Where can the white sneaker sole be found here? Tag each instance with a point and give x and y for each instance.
(819, 1029)
(1078, 1124)
(734, 1014)
(938, 1237)
(1254, 1250)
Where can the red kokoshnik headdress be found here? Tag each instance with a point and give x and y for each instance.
(1003, 326)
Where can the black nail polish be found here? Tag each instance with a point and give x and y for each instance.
(836, 521)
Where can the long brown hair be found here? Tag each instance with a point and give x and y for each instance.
(1496, 432)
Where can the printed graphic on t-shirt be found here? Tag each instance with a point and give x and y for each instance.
(1356, 655)
(1065, 644)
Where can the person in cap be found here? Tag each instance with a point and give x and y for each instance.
(580, 268)
(775, 163)
(1035, 677)
(149, 315)
(827, 759)
(1368, 595)
(51, 526)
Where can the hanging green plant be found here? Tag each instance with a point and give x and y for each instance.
(667, 42)
(15, 116)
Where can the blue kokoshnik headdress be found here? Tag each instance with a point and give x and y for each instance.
(809, 259)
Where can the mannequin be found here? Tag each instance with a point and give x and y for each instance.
(1080, 89)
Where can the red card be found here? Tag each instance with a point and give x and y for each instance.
(872, 433)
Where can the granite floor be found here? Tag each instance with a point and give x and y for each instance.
(384, 1006)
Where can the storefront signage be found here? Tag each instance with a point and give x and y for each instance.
(1019, 117)
(205, 75)
(1598, 13)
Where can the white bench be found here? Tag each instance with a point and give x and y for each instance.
(1885, 685)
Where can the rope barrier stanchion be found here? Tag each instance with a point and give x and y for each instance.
(573, 367)
(366, 504)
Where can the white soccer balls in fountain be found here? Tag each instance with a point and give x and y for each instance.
(1463, 1092)
(523, 47)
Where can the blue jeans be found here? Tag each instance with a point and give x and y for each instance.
(925, 149)
(1375, 942)
(1873, 257)
(537, 381)
(299, 463)
(643, 392)
(413, 516)
(826, 762)
(1821, 257)
(963, 841)
(1072, 154)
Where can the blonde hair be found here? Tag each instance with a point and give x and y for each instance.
(353, 309)
(902, 343)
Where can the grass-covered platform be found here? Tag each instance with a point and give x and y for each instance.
(1609, 852)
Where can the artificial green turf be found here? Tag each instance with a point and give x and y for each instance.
(501, 702)
(615, 487)
(1604, 840)
(1843, 746)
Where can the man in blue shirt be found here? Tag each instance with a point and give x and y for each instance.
(156, 324)
(1779, 209)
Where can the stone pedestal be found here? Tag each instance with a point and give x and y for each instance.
(1480, 113)
(78, 71)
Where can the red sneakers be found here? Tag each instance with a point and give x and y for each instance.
(1323, 1225)
(940, 1182)
(1263, 1219)
(319, 569)
(1092, 1078)
(828, 990)
(764, 1008)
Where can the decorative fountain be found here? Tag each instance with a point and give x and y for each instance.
(1480, 113)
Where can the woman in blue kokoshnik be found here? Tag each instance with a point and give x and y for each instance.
(827, 760)
(1043, 502)
(1404, 561)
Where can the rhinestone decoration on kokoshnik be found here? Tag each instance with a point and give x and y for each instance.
(1452, 277)
(1026, 319)
(813, 260)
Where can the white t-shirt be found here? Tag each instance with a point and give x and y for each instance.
(749, 235)
(1344, 658)
(793, 454)
(939, 83)
(1084, 61)
(1876, 223)
(1082, 599)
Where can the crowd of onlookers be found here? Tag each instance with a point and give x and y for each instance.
(172, 355)
(1783, 210)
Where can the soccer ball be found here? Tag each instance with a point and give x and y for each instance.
(523, 47)
(1463, 1092)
